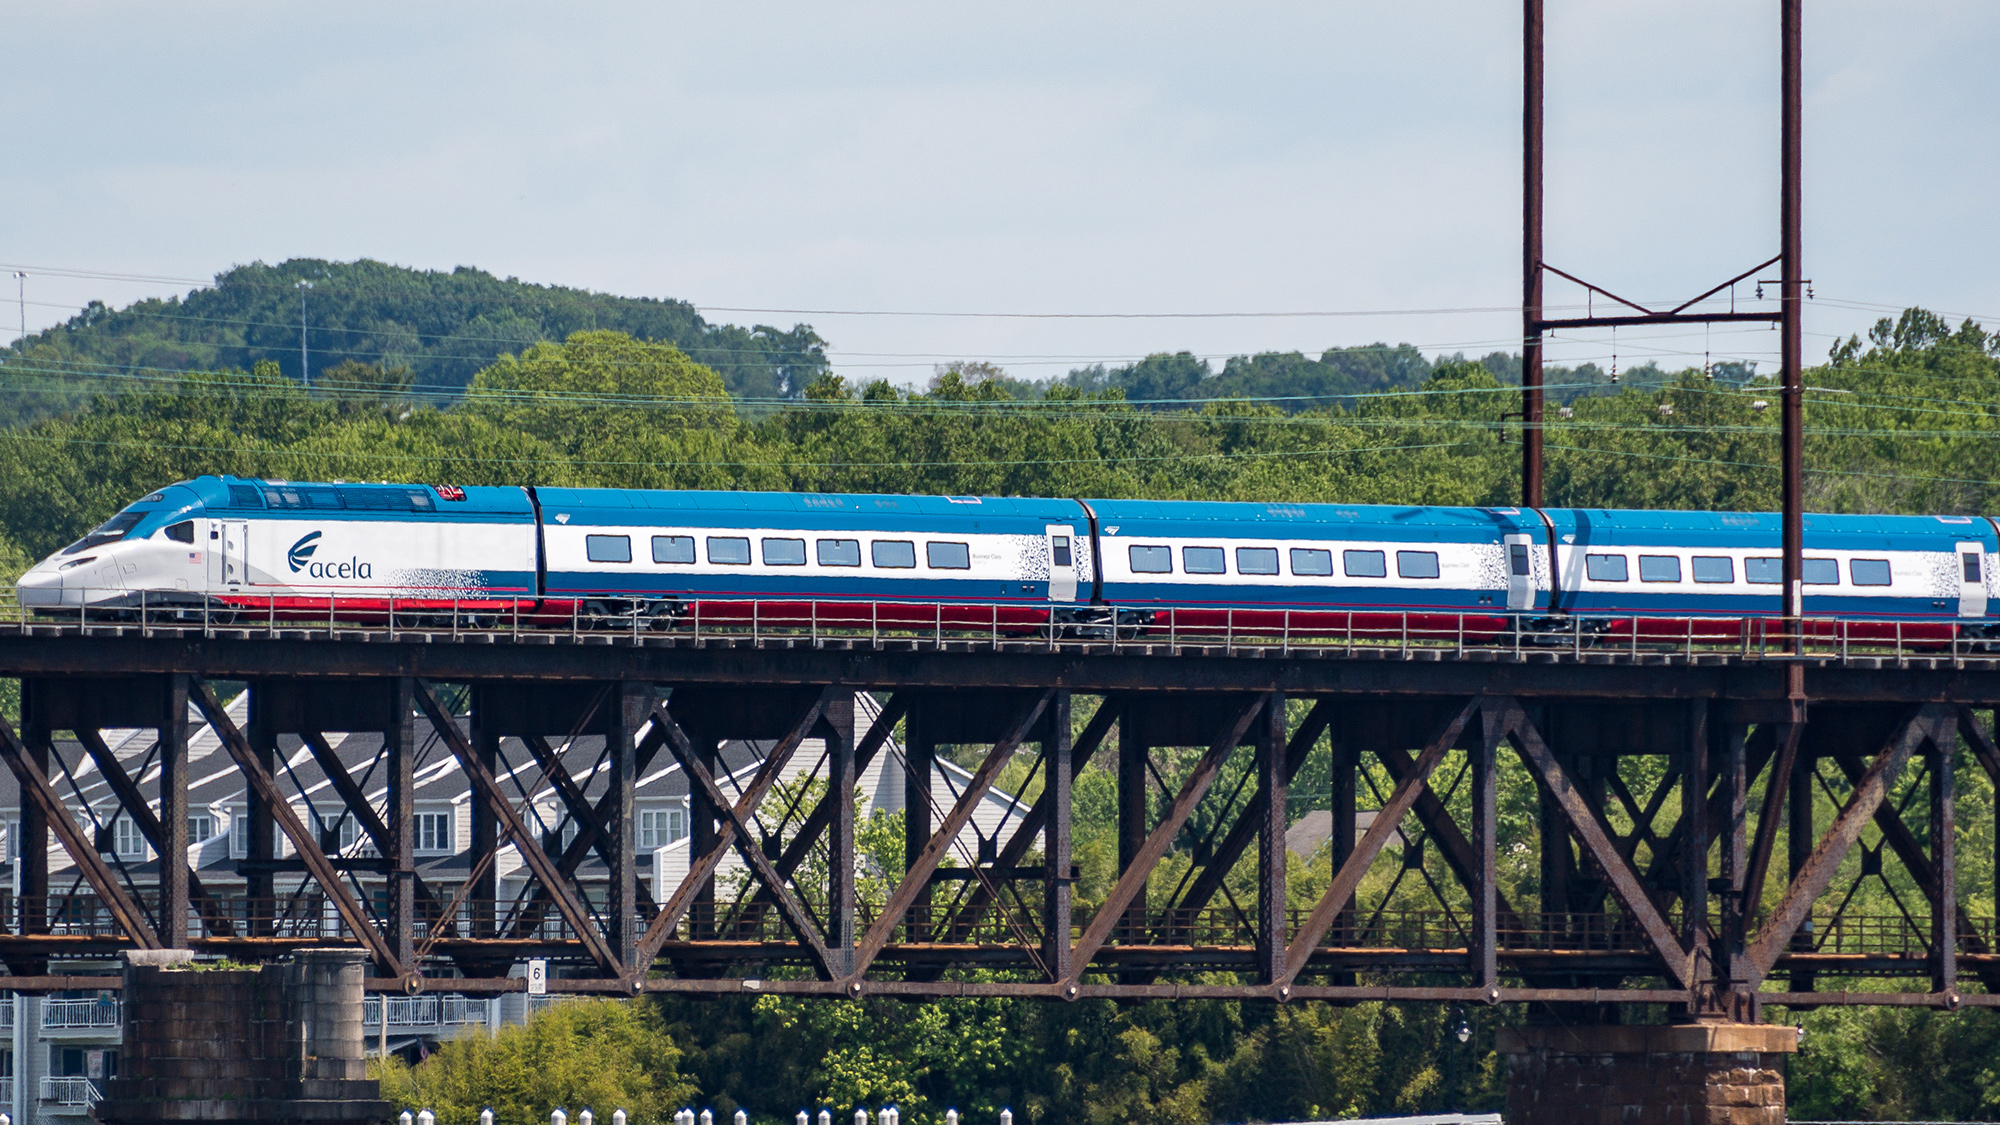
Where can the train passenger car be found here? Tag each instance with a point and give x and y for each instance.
(834, 558)
(1366, 568)
(1701, 574)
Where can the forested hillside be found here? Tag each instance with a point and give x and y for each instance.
(433, 330)
(1905, 421)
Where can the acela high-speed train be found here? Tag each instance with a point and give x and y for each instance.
(226, 544)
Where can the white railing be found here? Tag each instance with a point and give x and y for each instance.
(7, 1090)
(6, 1016)
(1148, 629)
(70, 1091)
(424, 1011)
(74, 1015)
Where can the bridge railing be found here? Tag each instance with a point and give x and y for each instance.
(1149, 628)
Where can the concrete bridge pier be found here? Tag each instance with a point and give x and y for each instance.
(1676, 1074)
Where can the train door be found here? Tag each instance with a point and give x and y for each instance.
(1062, 563)
(1971, 580)
(229, 553)
(1520, 572)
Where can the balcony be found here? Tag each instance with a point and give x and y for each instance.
(413, 1012)
(7, 1090)
(81, 1015)
(6, 1017)
(78, 1092)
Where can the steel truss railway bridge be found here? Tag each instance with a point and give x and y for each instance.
(1665, 779)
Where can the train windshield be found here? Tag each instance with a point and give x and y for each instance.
(110, 531)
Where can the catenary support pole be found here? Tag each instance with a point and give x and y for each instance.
(1791, 327)
(1531, 254)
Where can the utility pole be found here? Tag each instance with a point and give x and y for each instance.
(1792, 420)
(305, 368)
(21, 280)
(1531, 256)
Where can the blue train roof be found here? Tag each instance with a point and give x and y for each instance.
(361, 499)
(1293, 521)
(615, 505)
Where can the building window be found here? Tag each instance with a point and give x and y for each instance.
(659, 827)
(131, 845)
(239, 834)
(434, 832)
(201, 828)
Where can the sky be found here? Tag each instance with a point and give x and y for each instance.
(1150, 160)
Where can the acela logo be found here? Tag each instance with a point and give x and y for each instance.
(300, 558)
(302, 551)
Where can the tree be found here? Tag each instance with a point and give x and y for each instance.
(598, 1054)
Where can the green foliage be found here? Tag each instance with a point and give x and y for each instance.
(441, 327)
(596, 1054)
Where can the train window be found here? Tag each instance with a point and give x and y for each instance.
(376, 498)
(948, 556)
(245, 496)
(1869, 572)
(728, 550)
(1357, 564)
(839, 552)
(1256, 560)
(1517, 559)
(303, 496)
(183, 532)
(1416, 564)
(893, 554)
(1059, 550)
(608, 548)
(1659, 568)
(1821, 572)
(1714, 568)
(1764, 572)
(1606, 568)
(1204, 560)
(673, 548)
(1151, 558)
(110, 531)
(1971, 567)
(784, 552)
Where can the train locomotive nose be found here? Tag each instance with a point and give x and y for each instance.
(41, 586)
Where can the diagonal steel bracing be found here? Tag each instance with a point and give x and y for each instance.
(1934, 723)
(1586, 822)
(919, 873)
(552, 879)
(304, 842)
(214, 919)
(36, 790)
(1244, 831)
(1110, 913)
(591, 824)
(1387, 820)
(736, 832)
(701, 868)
